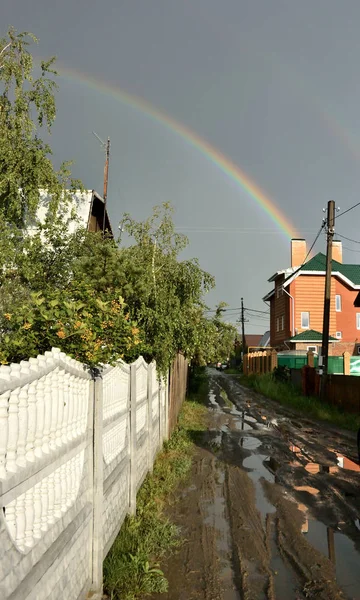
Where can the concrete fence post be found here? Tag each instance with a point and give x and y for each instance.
(149, 416)
(166, 415)
(346, 356)
(96, 388)
(160, 412)
(133, 441)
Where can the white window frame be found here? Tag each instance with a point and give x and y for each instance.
(338, 335)
(282, 322)
(313, 349)
(357, 320)
(338, 303)
(306, 312)
(277, 324)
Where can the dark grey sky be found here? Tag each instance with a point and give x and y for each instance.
(273, 84)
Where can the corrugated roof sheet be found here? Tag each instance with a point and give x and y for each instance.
(318, 263)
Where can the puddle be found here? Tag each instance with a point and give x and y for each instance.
(342, 462)
(255, 462)
(346, 463)
(307, 488)
(212, 400)
(240, 425)
(284, 580)
(250, 443)
(341, 551)
(216, 517)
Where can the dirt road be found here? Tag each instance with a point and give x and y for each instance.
(272, 508)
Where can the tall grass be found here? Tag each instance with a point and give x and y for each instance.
(287, 395)
(132, 567)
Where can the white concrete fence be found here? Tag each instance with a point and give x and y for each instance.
(74, 450)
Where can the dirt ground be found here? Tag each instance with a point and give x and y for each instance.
(272, 508)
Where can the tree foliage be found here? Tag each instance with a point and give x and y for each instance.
(27, 104)
(95, 299)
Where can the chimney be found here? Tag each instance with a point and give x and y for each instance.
(337, 251)
(298, 252)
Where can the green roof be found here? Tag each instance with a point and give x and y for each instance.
(318, 263)
(310, 335)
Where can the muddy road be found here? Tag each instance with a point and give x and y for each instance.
(272, 508)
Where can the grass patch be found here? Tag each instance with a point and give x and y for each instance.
(132, 567)
(233, 371)
(287, 395)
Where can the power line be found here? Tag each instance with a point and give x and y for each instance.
(348, 210)
(350, 249)
(314, 242)
(266, 312)
(348, 239)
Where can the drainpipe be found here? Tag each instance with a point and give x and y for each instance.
(292, 311)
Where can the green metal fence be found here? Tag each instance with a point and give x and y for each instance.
(335, 363)
(354, 365)
(292, 361)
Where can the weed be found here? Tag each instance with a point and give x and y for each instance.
(288, 395)
(132, 567)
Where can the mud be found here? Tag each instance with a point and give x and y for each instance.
(272, 507)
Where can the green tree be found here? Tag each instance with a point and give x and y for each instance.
(27, 104)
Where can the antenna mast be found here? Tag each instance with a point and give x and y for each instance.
(106, 147)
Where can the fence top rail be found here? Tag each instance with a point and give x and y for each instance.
(20, 374)
(119, 363)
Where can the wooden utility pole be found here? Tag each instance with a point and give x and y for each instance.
(106, 147)
(243, 327)
(327, 296)
(106, 179)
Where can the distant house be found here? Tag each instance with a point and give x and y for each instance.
(252, 339)
(297, 299)
(89, 208)
(265, 340)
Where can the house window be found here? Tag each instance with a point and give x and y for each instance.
(305, 320)
(282, 323)
(277, 324)
(338, 335)
(358, 350)
(357, 320)
(312, 349)
(338, 303)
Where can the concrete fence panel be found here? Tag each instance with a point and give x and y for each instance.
(75, 448)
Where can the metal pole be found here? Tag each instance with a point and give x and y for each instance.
(327, 295)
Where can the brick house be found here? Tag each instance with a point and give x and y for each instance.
(297, 299)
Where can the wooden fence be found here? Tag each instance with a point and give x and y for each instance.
(342, 391)
(177, 388)
(260, 362)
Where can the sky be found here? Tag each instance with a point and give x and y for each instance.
(227, 93)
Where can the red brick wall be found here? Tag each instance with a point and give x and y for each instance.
(346, 319)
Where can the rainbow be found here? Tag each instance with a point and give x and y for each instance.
(212, 154)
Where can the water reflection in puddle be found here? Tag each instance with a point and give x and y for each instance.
(250, 443)
(342, 462)
(258, 471)
(341, 551)
(216, 517)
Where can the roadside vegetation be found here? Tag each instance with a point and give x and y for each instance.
(132, 569)
(289, 396)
